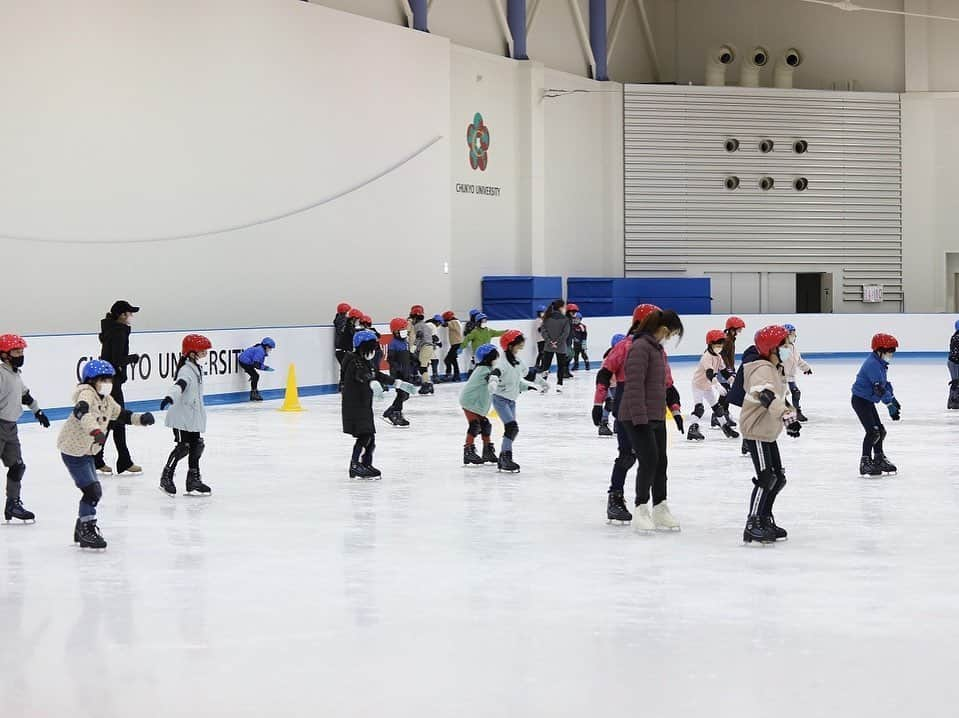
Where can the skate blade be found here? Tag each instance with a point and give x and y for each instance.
(19, 522)
(91, 548)
(198, 494)
(128, 473)
(756, 543)
(165, 493)
(617, 522)
(644, 532)
(669, 529)
(870, 477)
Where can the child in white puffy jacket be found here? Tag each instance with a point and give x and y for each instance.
(793, 363)
(708, 391)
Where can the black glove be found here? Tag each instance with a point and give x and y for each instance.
(133, 359)
(167, 401)
(597, 414)
(99, 437)
(793, 429)
(678, 418)
(766, 397)
(146, 419)
(894, 406)
(42, 418)
(710, 374)
(808, 372)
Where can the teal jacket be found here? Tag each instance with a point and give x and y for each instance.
(475, 396)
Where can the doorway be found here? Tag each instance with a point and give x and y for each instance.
(808, 293)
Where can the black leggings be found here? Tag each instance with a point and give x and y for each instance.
(451, 361)
(253, 374)
(187, 444)
(875, 431)
(770, 477)
(562, 365)
(365, 444)
(397, 405)
(119, 430)
(649, 445)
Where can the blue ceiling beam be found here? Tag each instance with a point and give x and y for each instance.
(597, 37)
(516, 18)
(420, 14)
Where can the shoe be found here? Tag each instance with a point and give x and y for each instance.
(694, 434)
(132, 470)
(800, 416)
(756, 531)
(868, 468)
(255, 396)
(195, 485)
(604, 429)
(616, 508)
(166, 482)
(89, 535)
(730, 432)
(14, 510)
(105, 470)
(470, 457)
(489, 454)
(663, 519)
(779, 533)
(884, 465)
(642, 521)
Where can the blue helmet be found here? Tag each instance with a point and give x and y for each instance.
(96, 368)
(473, 313)
(617, 338)
(483, 351)
(578, 315)
(438, 318)
(541, 309)
(268, 342)
(789, 327)
(480, 317)
(957, 325)
(362, 337)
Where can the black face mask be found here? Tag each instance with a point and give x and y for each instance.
(16, 362)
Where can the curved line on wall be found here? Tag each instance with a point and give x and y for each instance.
(236, 227)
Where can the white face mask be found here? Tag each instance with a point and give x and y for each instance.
(784, 353)
(369, 355)
(403, 334)
(482, 325)
(104, 388)
(887, 357)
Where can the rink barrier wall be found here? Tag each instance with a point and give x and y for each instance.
(53, 361)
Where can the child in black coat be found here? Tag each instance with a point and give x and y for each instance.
(360, 381)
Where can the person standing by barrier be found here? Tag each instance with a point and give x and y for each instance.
(556, 331)
(115, 349)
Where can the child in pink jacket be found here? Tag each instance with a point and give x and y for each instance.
(707, 390)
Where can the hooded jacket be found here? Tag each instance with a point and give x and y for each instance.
(115, 346)
(795, 363)
(475, 396)
(758, 422)
(872, 382)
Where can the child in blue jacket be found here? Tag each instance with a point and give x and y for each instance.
(871, 387)
(252, 359)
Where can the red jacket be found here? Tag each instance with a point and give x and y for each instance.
(644, 398)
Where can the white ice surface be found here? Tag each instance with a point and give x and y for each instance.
(443, 591)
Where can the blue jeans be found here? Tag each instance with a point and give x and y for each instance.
(83, 471)
(506, 408)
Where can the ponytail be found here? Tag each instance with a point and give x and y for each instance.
(660, 318)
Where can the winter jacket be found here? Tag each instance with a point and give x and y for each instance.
(356, 404)
(512, 381)
(255, 356)
(422, 336)
(455, 331)
(729, 353)
(756, 421)
(871, 381)
(538, 329)
(187, 412)
(705, 375)
(90, 413)
(580, 333)
(344, 335)
(644, 395)
(795, 363)
(14, 394)
(115, 346)
(399, 359)
(954, 349)
(480, 336)
(737, 393)
(556, 331)
(613, 371)
(475, 396)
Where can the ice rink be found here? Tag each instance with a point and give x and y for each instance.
(444, 591)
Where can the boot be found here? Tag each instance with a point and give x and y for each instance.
(131, 470)
(616, 508)
(359, 471)
(255, 395)
(105, 470)
(470, 457)
(799, 415)
(769, 523)
(427, 388)
(604, 429)
(506, 462)
(89, 535)
(745, 448)
(868, 468)
(884, 465)
(953, 395)
(587, 366)
(195, 485)
(663, 519)
(76, 532)
(642, 521)
(14, 510)
(396, 418)
(694, 434)
(489, 454)
(756, 531)
(730, 432)
(166, 481)
(371, 471)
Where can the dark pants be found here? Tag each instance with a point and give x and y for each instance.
(578, 352)
(649, 445)
(397, 405)
(365, 444)
(770, 478)
(189, 444)
(624, 459)
(875, 431)
(12, 458)
(253, 374)
(562, 365)
(119, 430)
(539, 352)
(452, 362)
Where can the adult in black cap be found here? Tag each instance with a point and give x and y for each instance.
(115, 348)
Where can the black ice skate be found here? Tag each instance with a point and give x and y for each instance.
(255, 395)
(195, 485)
(745, 448)
(76, 532)
(694, 434)
(756, 531)
(14, 510)
(359, 471)
(587, 367)
(777, 531)
(489, 454)
(729, 431)
(716, 422)
(604, 429)
(396, 418)
(88, 535)
(953, 395)
(868, 468)
(166, 482)
(800, 416)
(371, 471)
(427, 388)
(884, 465)
(470, 457)
(616, 508)
(506, 463)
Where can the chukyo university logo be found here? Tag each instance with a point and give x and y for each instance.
(477, 137)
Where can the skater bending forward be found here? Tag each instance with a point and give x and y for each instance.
(253, 361)
(872, 386)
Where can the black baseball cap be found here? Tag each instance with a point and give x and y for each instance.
(121, 306)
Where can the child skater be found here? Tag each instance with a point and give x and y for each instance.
(339, 327)
(401, 370)
(734, 327)
(793, 363)
(14, 395)
(707, 391)
(187, 417)
(475, 401)
(765, 413)
(454, 332)
(538, 333)
(871, 387)
(421, 345)
(436, 322)
(579, 342)
(360, 381)
(252, 359)
(953, 364)
(508, 380)
(83, 435)
(480, 334)
(605, 410)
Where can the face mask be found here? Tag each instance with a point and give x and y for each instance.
(887, 357)
(482, 325)
(369, 355)
(716, 348)
(784, 353)
(16, 362)
(403, 334)
(104, 388)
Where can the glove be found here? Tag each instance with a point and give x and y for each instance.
(167, 401)
(792, 429)
(405, 386)
(894, 406)
(146, 419)
(710, 374)
(98, 437)
(723, 389)
(808, 372)
(377, 389)
(493, 383)
(678, 418)
(766, 397)
(42, 418)
(597, 414)
(133, 359)
(268, 368)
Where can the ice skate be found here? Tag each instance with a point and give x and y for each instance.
(745, 448)
(714, 422)
(729, 431)
(371, 471)
(255, 396)
(76, 532)
(953, 402)
(616, 508)
(166, 482)
(88, 535)
(729, 419)
(427, 388)
(588, 367)
(470, 457)
(884, 465)
(642, 521)
(506, 463)
(756, 531)
(694, 434)
(868, 468)
(779, 533)
(604, 429)
(663, 519)
(489, 454)
(359, 471)
(14, 510)
(132, 470)
(105, 470)
(395, 418)
(800, 416)
(195, 485)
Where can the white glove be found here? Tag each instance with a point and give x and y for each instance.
(377, 389)
(405, 386)
(493, 383)
(541, 384)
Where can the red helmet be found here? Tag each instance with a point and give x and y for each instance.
(769, 338)
(714, 336)
(643, 311)
(448, 315)
(342, 308)
(572, 307)
(195, 343)
(366, 319)
(417, 309)
(9, 342)
(735, 323)
(398, 324)
(880, 341)
(509, 338)
(354, 314)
